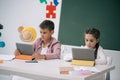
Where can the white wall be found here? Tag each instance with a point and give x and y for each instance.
(115, 55)
(14, 13)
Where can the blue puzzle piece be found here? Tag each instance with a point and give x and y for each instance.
(56, 2)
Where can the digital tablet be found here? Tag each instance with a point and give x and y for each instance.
(26, 49)
(83, 54)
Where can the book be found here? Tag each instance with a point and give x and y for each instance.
(23, 57)
(83, 62)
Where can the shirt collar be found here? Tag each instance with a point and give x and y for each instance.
(49, 42)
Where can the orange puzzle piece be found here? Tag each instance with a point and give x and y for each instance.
(1, 61)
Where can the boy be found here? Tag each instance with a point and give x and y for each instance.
(46, 46)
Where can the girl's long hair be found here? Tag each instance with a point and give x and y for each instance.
(96, 33)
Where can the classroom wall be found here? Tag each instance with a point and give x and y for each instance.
(15, 13)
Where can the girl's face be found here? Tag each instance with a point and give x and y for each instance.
(46, 34)
(90, 41)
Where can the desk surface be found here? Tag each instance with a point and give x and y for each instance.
(46, 70)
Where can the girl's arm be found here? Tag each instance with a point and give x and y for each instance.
(101, 58)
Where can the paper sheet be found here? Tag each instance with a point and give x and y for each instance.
(6, 57)
(93, 69)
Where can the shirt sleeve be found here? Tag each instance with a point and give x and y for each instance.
(35, 44)
(101, 58)
(56, 51)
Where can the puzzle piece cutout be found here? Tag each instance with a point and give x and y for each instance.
(56, 2)
(1, 26)
(51, 8)
(0, 34)
(2, 43)
(43, 1)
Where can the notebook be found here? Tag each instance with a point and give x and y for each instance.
(83, 54)
(25, 49)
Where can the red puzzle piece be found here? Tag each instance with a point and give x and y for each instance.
(51, 8)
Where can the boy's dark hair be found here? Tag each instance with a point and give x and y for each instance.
(47, 24)
(96, 33)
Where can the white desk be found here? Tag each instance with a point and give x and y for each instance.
(46, 70)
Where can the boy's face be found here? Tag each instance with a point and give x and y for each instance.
(46, 34)
(90, 41)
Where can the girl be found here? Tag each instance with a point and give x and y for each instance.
(92, 40)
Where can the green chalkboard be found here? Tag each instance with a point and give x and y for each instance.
(78, 15)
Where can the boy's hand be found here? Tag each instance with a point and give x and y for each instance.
(38, 56)
(16, 52)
